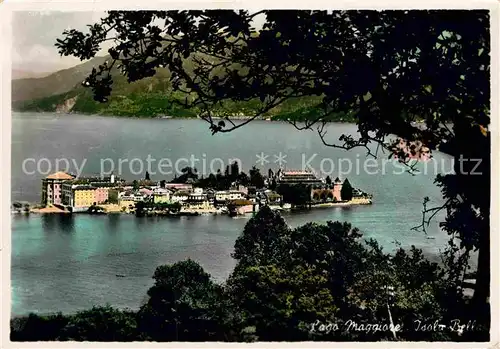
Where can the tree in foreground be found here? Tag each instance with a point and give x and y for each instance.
(183, 305)
(259, 244)
(101, 324)
(325, 274)
(287, 283)
(37, 327)
(421, 75)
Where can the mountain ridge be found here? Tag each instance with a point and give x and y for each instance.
(61, 81)
(154, 96)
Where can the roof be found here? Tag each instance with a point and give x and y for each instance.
(60, 175)
(297, 173)
(181, 193)
(173, 185)
(162, 191)
(83, 187)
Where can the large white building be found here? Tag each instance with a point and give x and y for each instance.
(228, 195)
(179, 196)
(197, 195)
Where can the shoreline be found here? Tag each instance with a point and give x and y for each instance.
(165, 117)
(195, 212)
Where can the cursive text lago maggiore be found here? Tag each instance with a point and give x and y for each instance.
(419, 326)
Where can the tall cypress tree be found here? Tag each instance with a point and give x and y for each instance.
(346, 191)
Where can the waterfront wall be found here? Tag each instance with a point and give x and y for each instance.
(361, 201)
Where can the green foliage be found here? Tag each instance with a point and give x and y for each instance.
(101, 324)
(339, 278)
(188, 175)
(113, 196)
(48, 104)
(382, 69)
(273, 299)
(328, 180)
(153, 98)
(223, 181)
(284, 279)
(182, 305)
(257, 245)
(140, 208)
(37, 327)
(298, 195)
(256, 178)
(368, 66)
(104, 324)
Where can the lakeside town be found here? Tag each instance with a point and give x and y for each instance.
(232, 192)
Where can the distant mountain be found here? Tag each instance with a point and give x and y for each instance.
(63, 92)
(151, 97)
(30, 88)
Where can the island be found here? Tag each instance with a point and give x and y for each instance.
(232, 192)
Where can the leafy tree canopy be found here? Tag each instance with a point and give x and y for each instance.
(182, 304)
(421, 75)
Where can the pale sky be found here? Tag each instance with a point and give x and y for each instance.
(34, 35)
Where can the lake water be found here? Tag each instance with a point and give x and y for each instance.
(66, 263)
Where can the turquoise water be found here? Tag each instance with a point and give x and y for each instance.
(66, 263)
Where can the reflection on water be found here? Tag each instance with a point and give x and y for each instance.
(113, 222)
(54, 222)
(67, 223)
(140, 221)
